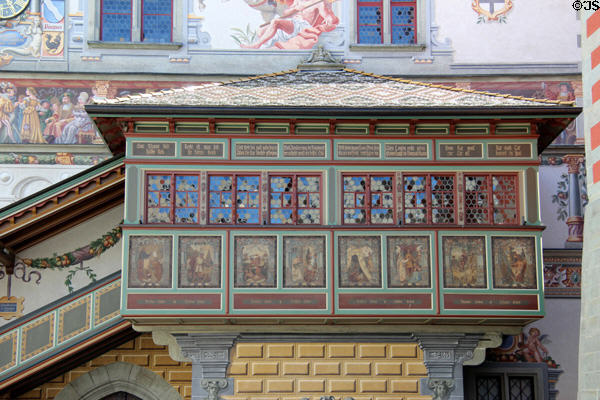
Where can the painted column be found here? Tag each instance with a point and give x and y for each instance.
(444, 355)
(589, 342)
(209, 354)
(575, 219)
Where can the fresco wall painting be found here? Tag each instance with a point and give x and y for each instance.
(150, 261)
(464, 262)
(408, 261)
(514, 262)
(304, 261)
(255, 261)
(359, 261)
(199, 262)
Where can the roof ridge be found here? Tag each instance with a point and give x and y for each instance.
(482, 92)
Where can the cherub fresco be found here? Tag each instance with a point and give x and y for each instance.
(529, 346)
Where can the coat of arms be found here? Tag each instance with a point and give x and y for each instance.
(491, 10)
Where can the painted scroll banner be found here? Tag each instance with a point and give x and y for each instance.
(385, 301)
(271, 301)
(490, 302)
(190, 301)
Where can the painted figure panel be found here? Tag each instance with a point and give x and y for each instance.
(255, 261)
(464, 261)
(513, 262)
(408, 261)
(150, 261)
(200, 261)
(359, 261)
(304, 261)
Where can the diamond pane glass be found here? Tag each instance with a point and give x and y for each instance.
(521, 388)
(488, 388)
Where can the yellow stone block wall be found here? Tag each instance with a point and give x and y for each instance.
(141, 351)
(291, 371)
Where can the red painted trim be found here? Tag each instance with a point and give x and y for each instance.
(280, 301)
(596, 171)
(515, 163)
(595, 135)
(388, 301)
(596, 92)
(332, 272)
(437, 274)
(136, 135)
(593, 23)
(228, 274)
(455, 301)
(218, 319)
(207, 301)
(595, 57)
(415, 227)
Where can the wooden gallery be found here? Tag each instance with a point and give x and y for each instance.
(320, 232)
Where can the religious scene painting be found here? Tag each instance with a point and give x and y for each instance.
(304, 261)
(359, 261)
(255, 261)
(513, 261)
(150, 261)
(199, 261)
(272, 25)
(464, 261)
(409, 262)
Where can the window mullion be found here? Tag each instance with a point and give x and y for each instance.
(428, 199)
(368, 200)
(294, 201)
(490, 189)
(234, 195)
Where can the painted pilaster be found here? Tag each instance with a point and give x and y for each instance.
(575, 219)
(209, 354)
(444, 355)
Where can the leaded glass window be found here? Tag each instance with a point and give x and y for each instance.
(368, 199)
(404, 22)
(157, 17)
(115, 20)
(370, 22)
(402, 16)
(488, 195)
(295, 199)
(234, 199)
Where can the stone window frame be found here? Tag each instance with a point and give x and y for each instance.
(177, 34)
(537, 371)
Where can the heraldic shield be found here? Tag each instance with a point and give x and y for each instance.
(491, 9)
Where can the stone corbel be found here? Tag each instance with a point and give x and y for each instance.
(444, 355)
(209, 354)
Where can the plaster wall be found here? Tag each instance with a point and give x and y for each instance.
(51, 284)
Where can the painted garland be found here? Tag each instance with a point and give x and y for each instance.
(94, 249)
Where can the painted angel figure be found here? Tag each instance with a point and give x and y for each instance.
(298, 27)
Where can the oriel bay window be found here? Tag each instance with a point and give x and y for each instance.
(295, 199)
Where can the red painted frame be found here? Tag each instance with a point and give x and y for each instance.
(130, 17)
(234, 193)
(367, 193)
(490, 197)
(173, 193)
(360, 4)
(295, 194)
(414, 24)
(142, 20)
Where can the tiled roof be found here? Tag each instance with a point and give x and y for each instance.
(326, 88)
